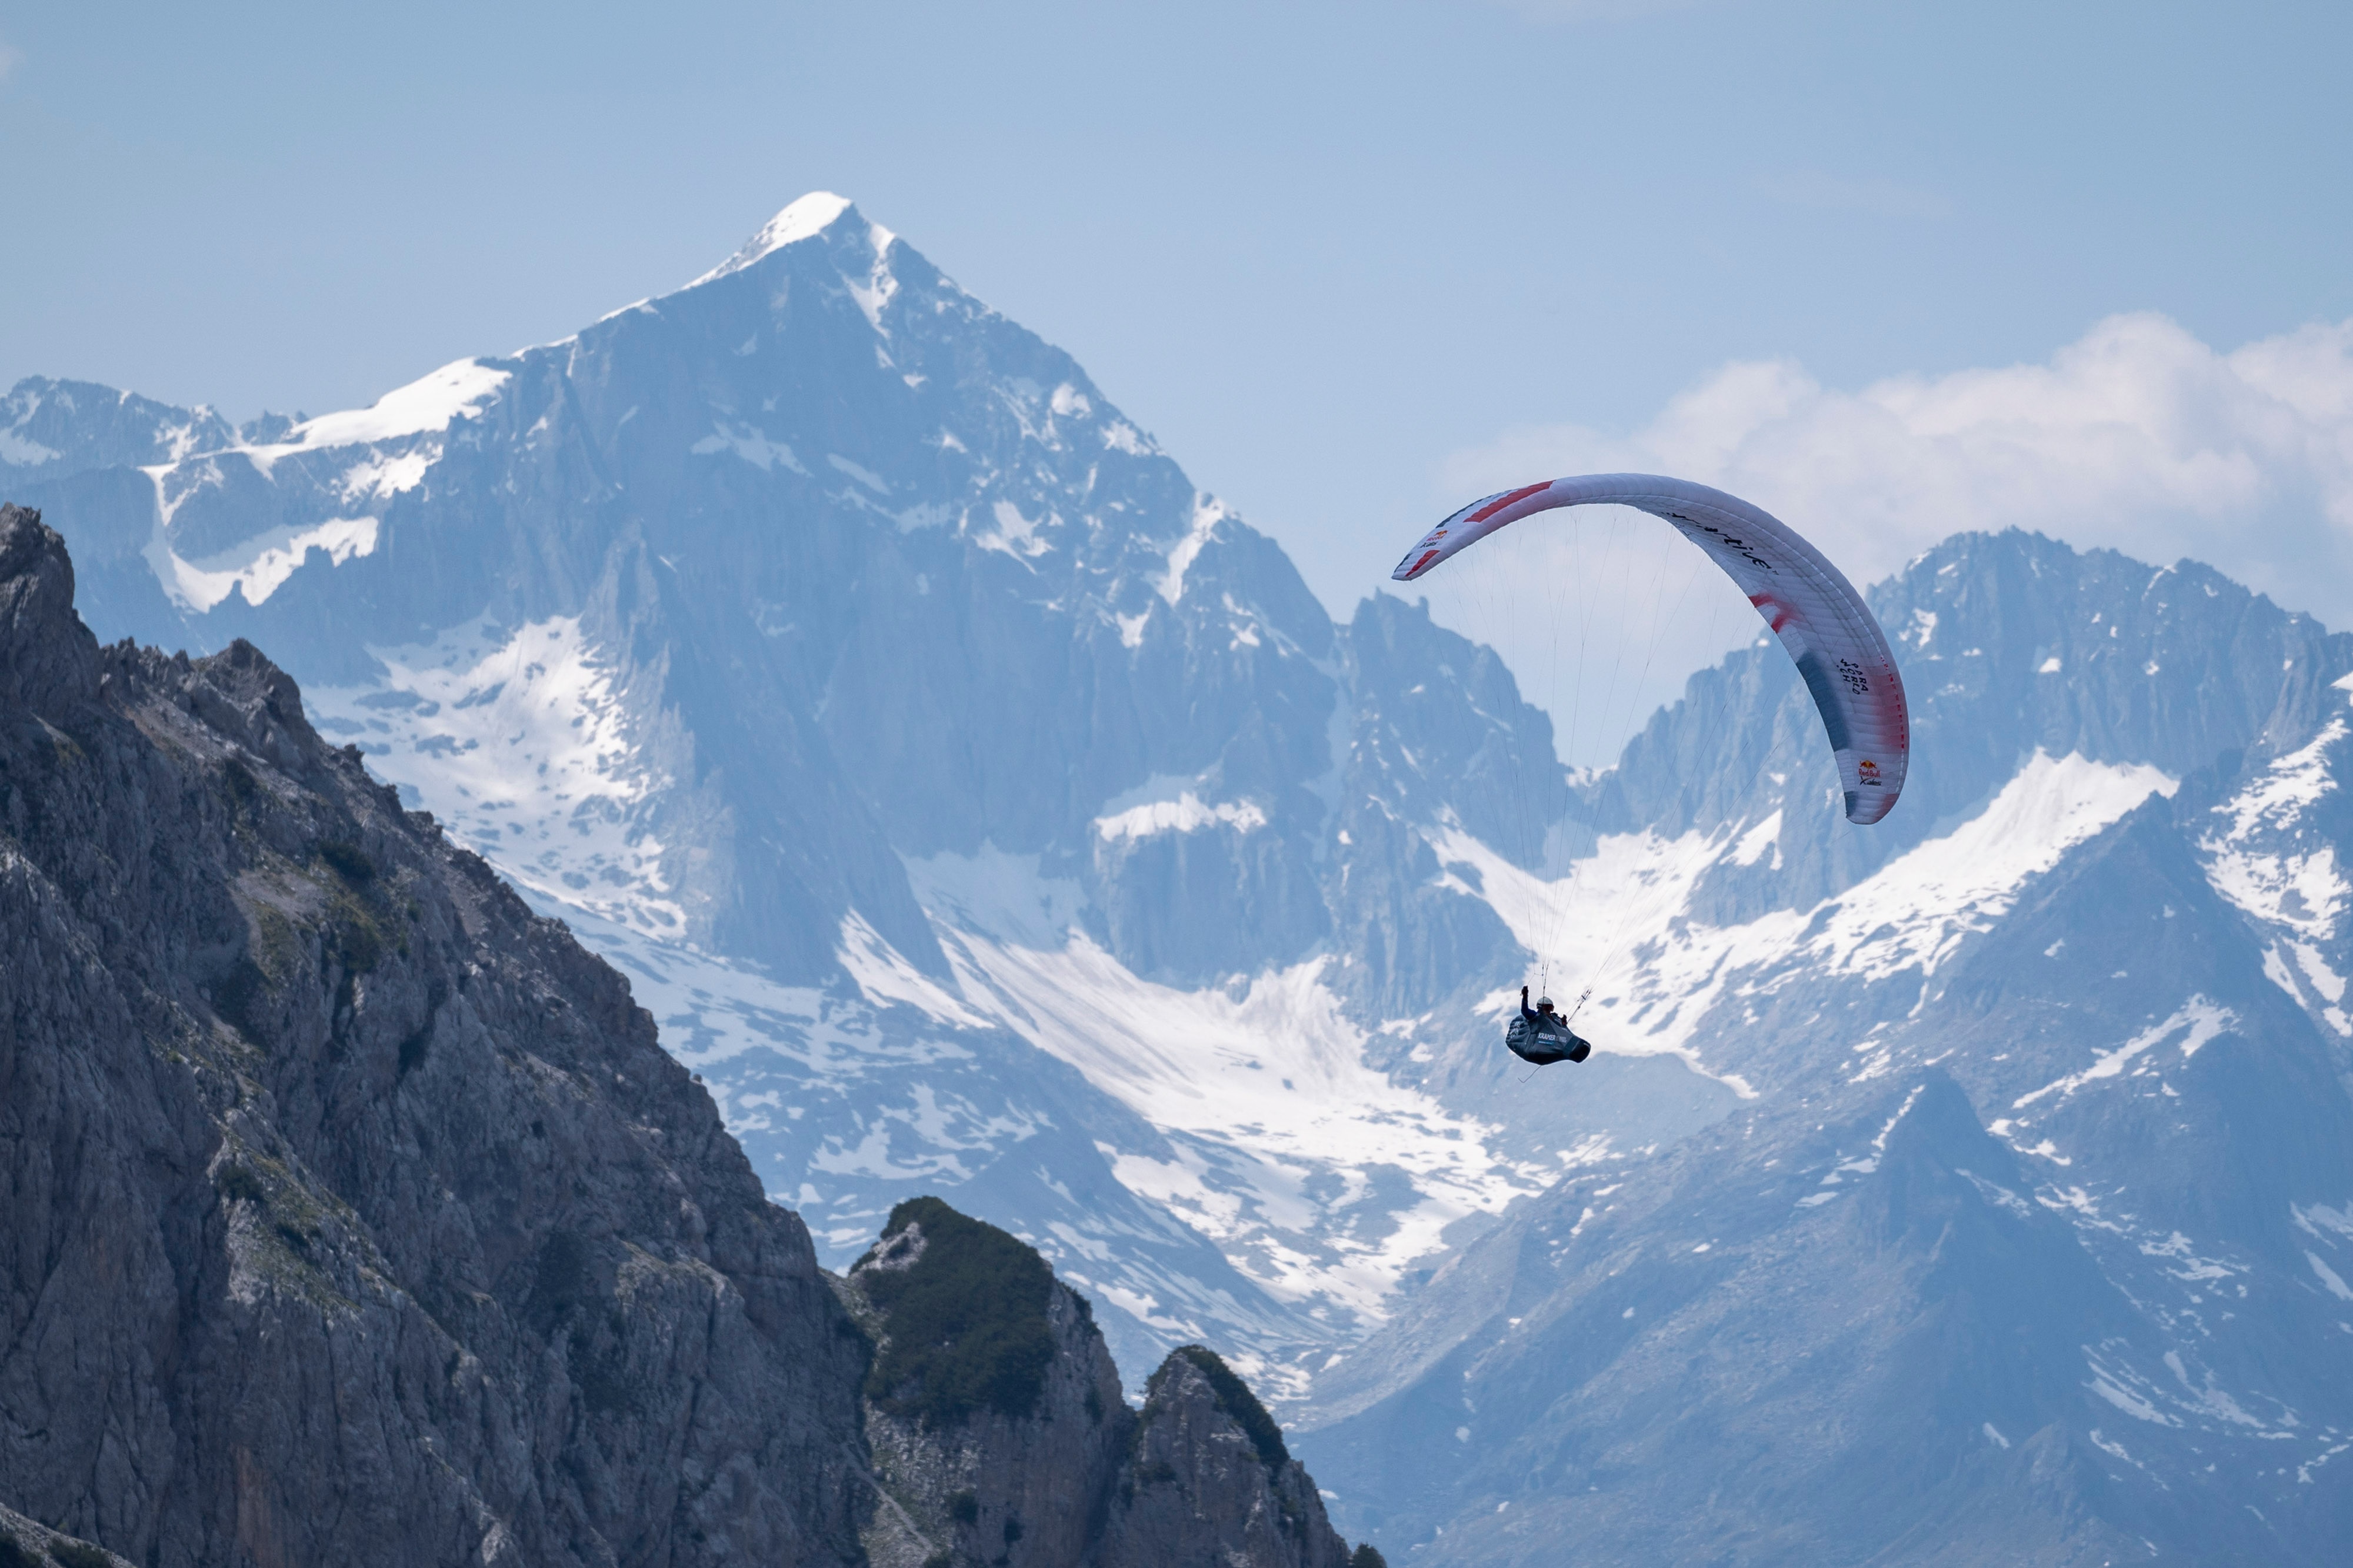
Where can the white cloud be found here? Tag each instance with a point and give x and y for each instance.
(2138, 437)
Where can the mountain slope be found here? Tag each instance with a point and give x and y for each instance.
(2025, 1247)
(933, 754)
(356, 1213)
(983, 808)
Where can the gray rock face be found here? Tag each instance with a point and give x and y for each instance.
(1022, 1486)
(354, 1216)
(818, 616)
(1043, 845)
(999, 1438)
(28, 1543)
(353, 1213)
(1201, 1490)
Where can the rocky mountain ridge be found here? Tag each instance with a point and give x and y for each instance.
(982, 810)
(355, 1213)
(2026, 1245)
(833, 657)
(999, 1434)
(28, 1543)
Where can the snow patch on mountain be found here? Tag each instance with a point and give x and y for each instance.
(2198, 1021)
(1009, 896)
(939, 1128)
(2317, 1218)
(257, 567)
(750, 444)
(1284, 1134)
(521, 742)
(385, 477)
(713, 1009)
(1765, 835)
(884, 974)
(2283, 791)
(1936, 894)
(2248, 866)
(428, 405)
(1015, 534)
(874, 292)
(16, 448)
(1615, 928)
(2266, 856)
(399, 439)
(1320, 1178)
(1186, 814)
(1207, 512)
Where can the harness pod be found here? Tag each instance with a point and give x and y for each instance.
(1545, 1042)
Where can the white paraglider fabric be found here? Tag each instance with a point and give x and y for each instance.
(1823, 623)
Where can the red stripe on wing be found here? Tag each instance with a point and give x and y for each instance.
(1506, 498)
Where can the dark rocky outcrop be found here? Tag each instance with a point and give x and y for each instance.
(353, 1214)
(999, 1437)
(28, 1543)
(999, 1440)
(1208, 1478)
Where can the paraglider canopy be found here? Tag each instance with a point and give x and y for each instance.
(1822, 622)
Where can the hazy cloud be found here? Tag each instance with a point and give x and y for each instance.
(2136, 436)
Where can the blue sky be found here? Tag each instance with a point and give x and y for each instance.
(1342, 260)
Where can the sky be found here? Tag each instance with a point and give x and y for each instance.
(1887, 269)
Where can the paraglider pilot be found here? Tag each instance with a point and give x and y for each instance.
(1541, 1035)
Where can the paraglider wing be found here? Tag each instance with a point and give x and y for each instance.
(1823, 623)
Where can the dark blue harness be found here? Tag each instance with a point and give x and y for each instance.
(1546, 1040)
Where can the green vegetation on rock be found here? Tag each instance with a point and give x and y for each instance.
(964, 1326)
(237, 1184)
(348, 859)
(1236, 1400)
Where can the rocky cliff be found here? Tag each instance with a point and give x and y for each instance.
(837, 659)
(28, 1543)
(999, 1437)
(353, 1213)
(1208, 1478)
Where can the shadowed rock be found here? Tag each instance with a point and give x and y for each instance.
(353, 1213)
(999, 1437)
(1208, 1479)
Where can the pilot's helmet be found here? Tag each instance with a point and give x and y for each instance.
(1544, 1004)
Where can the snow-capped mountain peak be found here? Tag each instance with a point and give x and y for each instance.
(426, 406)
(804, 218)
(983, 810)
